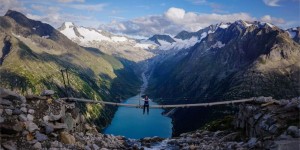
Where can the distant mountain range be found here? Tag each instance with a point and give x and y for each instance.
(119, 46)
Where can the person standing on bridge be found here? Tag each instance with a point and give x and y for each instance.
(146, 104)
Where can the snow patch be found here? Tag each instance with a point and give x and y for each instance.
(46, 36)
(180, 44)
(143, 45)
(224, 26)
(69, 32)
(218, 44)
(91, 35)
(164, 45)
(270, 25)
(203, 35)
(247, 24)
(119, 39)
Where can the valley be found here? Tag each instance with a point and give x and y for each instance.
(222, 62)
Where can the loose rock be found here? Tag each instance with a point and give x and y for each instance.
(24, 109)
(67, 138)
(40, 137)
(293, 131)
(47, 93)
(31, 111)
(10, 145)
(8, 111)
(16, 111)
(30, 117)
(37, 145)
(30, 126)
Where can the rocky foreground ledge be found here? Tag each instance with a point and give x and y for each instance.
(41, 122)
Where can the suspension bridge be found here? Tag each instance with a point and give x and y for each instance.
(161, 106)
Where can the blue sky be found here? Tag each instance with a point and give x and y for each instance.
(159, 16)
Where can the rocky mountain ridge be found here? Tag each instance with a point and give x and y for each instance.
(237, 60)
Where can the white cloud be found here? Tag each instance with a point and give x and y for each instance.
(274, 20)
(174, 20)
(272, 3)
(171, 22)
(175, 14)
(11, 4)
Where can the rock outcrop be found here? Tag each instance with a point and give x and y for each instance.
(41, 122)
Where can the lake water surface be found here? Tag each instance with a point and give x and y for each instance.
(132, 123)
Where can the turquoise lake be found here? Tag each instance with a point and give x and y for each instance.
(132, 123)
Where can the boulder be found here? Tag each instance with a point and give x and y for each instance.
(30, 117)
(29, 137)
(24, 109)
(49, 129)
(95, 147)
(53, 117)
(67, 138)
(16, 111)
(10, 95)
(30, 126)
(40, 137)
(252, 142)
(293, 131)
(37, 145)
(8, 111)
(47, 93)
(57, 125)
(22, 117)
(69, 121)
(46, 118)
(10, 145)
(31, 111)
(5, 102)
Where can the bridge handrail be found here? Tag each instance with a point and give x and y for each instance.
(162, 106)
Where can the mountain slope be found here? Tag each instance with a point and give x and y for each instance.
(33, 54)
(236, 61)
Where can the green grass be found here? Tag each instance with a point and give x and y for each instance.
(220, 124)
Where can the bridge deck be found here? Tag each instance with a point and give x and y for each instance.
(162, 106)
